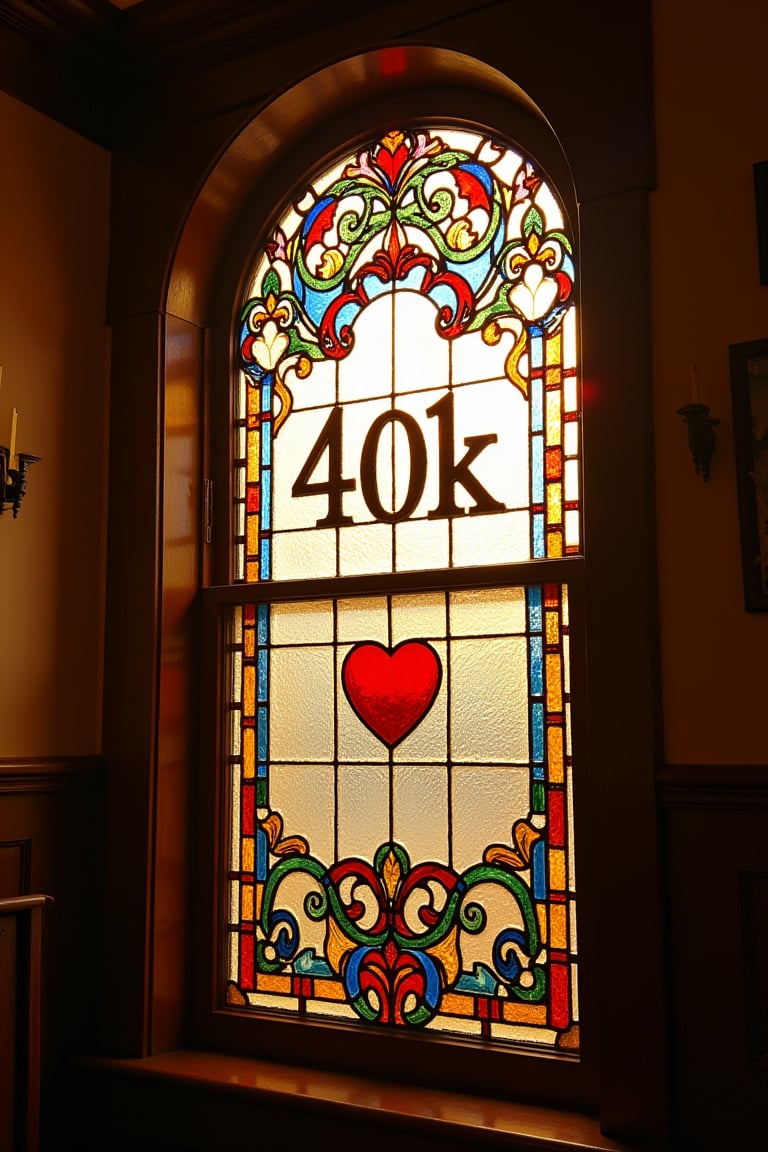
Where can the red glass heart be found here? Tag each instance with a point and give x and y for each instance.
(391, 690)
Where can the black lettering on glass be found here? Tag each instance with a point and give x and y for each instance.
(452, 472)
(417, 453)
(334, 486)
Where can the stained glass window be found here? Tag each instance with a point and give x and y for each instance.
(406, 469)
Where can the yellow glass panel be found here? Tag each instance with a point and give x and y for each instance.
(249, 642)
(553, 419)
(555, 754)
(252, 534)
(554, 688)
(554, 348)
(557, 869)
(554, 503)
(249, 753)
(457, 1005)
(249, 690)
(518, 1013)
(557, 926)
(554, 375)
(553, 627)
(247, 861)
(259, 895)
(267, 983)
(253, 456)
(555, 543)
(541, 916)
(247, 905)
(252, 571)
(329, 990)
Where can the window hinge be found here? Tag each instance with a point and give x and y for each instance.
(207, 509)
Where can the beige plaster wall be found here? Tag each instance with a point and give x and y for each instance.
(54, 203)
(711, 116)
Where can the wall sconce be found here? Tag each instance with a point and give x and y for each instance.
(13, 470)
(701, 429)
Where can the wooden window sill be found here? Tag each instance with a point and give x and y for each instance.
(367, 1105)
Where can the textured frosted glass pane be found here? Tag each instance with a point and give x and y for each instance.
(362, 618)
(428, 740)
(316, 389)
(489, 706)
(421, 615)
(234, 851)
(363, 809)
(519, 1034)
(304, 555)
(355, 742)
(569, 341)
(303, 623)
(501, 538)
(301, 718)
(473, 359)
(367, 371)
(420, 811)
(421, 357)
(295, 442)
(502, 468)
(486, 803)
(571, 480)
(487, 611)
(303, 795)
(571, 438)
(421, 544)
(357, 421)
(365, 548)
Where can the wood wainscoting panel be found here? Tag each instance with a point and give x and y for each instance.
(52, 818)
(716, 894)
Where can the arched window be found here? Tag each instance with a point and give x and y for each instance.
(406, 561)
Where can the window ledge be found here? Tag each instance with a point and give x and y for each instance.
(366, 1104)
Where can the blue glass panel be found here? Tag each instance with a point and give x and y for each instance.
(266, 500)
(264, 560)
(537, 405)
(537, 469)
(262, 732)
(262, 623)
(538, 535)
(261, 770)
(537, 731)
(266, 443)
(262, 665)
(537, 668)
(537, 347)
(539, 876)
(261, 854)
(535, 617)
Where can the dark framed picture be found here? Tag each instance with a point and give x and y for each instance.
(749, 391)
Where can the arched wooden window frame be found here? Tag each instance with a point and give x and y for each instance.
(621, 1072)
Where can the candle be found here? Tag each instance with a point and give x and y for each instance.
(694, 385)
(14, 421)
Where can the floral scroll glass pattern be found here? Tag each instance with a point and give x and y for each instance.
(401, 844)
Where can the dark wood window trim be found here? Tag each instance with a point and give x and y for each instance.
(151, 733)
